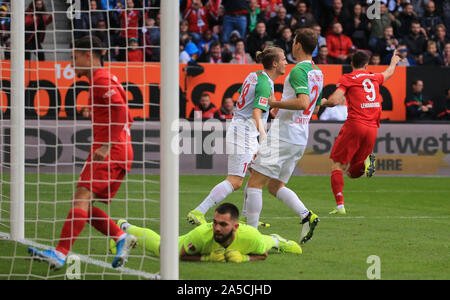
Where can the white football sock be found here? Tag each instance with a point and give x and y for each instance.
(254, 206)
(244, 206)
(291, 199)
(217, 195)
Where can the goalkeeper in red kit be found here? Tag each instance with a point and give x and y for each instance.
(352, 150)
(110, 158)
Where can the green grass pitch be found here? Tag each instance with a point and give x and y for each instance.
(404, 221)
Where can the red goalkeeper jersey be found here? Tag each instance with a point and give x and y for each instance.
(111, 117)
(362, 91)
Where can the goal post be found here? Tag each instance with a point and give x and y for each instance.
(17, 189)
(169, 132)
(46, 137)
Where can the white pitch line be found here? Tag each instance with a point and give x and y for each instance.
(366, 217)
(325, 191)
(89, 260)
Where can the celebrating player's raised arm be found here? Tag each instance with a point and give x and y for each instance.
(391, 69)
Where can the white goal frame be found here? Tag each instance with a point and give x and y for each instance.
(169, 177)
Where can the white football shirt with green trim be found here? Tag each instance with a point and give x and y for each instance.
(254, 93)
(292, 126)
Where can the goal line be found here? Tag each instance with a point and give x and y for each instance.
(86, 259)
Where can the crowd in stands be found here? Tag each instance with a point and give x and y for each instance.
(232, 31)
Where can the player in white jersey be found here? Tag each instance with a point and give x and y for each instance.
(248, 123)
(287, 138)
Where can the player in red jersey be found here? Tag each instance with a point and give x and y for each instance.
(110, 158)
(352, 150)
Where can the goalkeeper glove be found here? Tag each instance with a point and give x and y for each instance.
(217, 255)
(236, 256)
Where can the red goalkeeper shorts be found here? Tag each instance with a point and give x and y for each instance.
(354, 143)
(102, 178)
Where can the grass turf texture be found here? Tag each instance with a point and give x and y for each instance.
(405, 221)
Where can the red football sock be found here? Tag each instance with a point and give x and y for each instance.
(76, 219)
(337, 185)
(356, 170)
(103, 223)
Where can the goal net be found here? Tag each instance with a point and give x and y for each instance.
(58, 133)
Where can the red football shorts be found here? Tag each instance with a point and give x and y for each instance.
(354, 143)
(102, 178)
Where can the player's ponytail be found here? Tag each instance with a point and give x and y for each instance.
(268, 56)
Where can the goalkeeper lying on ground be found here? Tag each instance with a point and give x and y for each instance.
(223, 240)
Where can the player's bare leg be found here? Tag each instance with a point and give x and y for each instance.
(290, 198)
(337, 185)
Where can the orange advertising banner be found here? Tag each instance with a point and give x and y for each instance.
(52, 89)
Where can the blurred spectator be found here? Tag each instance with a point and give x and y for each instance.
(377, 25)
(431, 56)
(216, 55)
(339, 45)
(197, 16)
(321, 41)
(418, 106)
(406, 17)
(185, 34)
(336, 13)
(285, 42)
(375, 59)
(336, 113)
(114, 25)
(235, 36)
(110, 4)
(302, 18)
(430, 19)
(151, 52)
(418, 6)
(254, 16)
(441, 38)
(101, 31)
(130, 18)
(235, 18)
(387, 44)
(190, 53)
(217, 13)
(443, 109)
(88, 20)
(270, 7)
(5, 33)
(277, 23)
(205, 42)
(323, 58)
(36, 21)
(416, 42)
(135, 53)
(406, 60)
(357, 27)
(226, 110)
(446, 55)
(257, 39)
(153, 36)
(205, 109)
(240, 56)
(290, 6)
